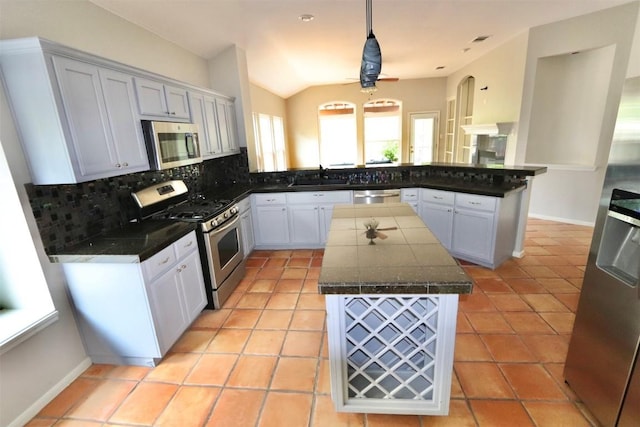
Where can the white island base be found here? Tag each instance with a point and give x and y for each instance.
(391, 354)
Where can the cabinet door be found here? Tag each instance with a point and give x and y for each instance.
(223, 126)
(226, 125)
(271, 225)
(199, 117)
(84, 108)
(177, 101)
(192, 282)
(439, 219)
(151, 98)
(119, 96)
(232, 125)
(326, 212)
(304, 224)
(213, 131)
(246, 224)
(473, 233)
(167, 307)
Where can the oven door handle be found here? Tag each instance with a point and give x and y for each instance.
(226, 226)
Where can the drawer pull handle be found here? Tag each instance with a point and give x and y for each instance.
(438, 197)
(189, 244)
(475, 203)
(166, 260)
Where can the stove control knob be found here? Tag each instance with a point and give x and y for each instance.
(226, 215)
(214, 222)
(234, 210)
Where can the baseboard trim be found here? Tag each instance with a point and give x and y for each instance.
(559, 219)
(47, 397)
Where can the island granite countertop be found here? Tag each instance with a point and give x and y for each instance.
(406, 259)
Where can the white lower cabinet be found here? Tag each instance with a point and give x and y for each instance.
(436, 210)
(270, 221)
(304, 224)
(310, 216)
(132, 313)
(246, 226)
(296, 220)
(412, 197)
(476, 228)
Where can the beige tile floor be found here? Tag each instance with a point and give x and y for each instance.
(262, 359)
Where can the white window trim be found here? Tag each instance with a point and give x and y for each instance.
(24, 293)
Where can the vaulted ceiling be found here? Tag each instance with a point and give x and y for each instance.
(286, 54)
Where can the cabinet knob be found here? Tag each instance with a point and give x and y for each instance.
(118, 165)
(125, 164)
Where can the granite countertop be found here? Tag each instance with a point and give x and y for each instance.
(132, 244)
(410, 260)
(457, 185)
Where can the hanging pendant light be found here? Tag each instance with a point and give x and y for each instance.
(371, 57)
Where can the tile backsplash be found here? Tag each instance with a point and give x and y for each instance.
(67, 214)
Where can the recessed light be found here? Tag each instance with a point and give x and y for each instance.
(306, 17)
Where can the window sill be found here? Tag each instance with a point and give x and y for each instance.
(17, 325)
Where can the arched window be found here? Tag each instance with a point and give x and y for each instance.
(338, 140)
(382, 131)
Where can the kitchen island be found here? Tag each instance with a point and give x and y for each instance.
(392, 298)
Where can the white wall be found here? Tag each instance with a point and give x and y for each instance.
(84, 26)
(501, 72)
(567, 193)
(36, 370)
(417, 95)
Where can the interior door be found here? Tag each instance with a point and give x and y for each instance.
(424, 137)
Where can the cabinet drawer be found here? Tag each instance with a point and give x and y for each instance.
(474, 201)
(409, 195)
(159, 262)
(244, 204)
(186, 244)
(319, 197)
(270, 199)
(438, 196)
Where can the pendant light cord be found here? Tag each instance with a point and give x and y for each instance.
(369, 18)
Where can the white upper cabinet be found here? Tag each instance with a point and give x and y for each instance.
(99, 106)
(215, 117)
(158, 100)
(225, 110)
(76, 120)
(78, 115)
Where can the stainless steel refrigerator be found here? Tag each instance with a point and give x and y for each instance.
(602, 361)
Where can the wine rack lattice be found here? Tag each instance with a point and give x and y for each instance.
(391, 346)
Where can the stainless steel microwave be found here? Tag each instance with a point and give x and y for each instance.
(170, 144)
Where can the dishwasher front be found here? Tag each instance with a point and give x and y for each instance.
(367, 197)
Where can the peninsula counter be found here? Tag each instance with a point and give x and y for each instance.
(391, 311)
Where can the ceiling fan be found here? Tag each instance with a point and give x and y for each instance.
(371, 58)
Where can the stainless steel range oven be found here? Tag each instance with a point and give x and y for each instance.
(224, 254)
(219, 238)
